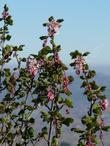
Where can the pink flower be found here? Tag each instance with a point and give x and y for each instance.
(33, 65)
(103, 104)
(56, 57)
(65, 84)
(50, 94)
(32, 70)
(89, 142)
(53, 28)
(5, 15)
(79, 64)
(41, 62)
(66, 89)
(89, 87)
(78, 72)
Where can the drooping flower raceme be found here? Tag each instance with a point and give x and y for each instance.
(53, 28)
(103, 104)
(56, 57)
(65, 84)
(51, 94)
(5, 15)
(89, 144)
(33, 65)
(102, 125)
(79, 64)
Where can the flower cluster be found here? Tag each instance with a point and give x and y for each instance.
(103, 104)
(102, 125)
(53, 28)
(79, 64)
(56, 57)
(33, 65)
(65, 84)
(89, 142)
(51, 94)
(5, 15)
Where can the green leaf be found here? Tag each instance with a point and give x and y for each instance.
(6, 50)
(9, 20)
(91, 74)
(1, 62)
(97, 109)
(82, 77)
(59, 99)
(2, 107)
(86, 120)
(64, 67)
(58, 48)
(101, 96)
(45, 51)
(6, 7)
(8, 37)
(84, 84)
(14, 116)
(71, 78)
(103, 88)
(44, 115)
(44, 130)
(69, 102)
(50, 18)
(68, 93)
(45, 24)
(55, 141)
(80, 144)
(7, 72)
(86, 66)
(75, 54)
(77, 130)
(68, 121)
(23, 59)
(43, 37)
(31, 132)
(22, 111)
(5, 120)
(20, 48)
(94, 85)
(86, 53)
(32, 120)
(60, 20)
(106, 128)
(10, 136)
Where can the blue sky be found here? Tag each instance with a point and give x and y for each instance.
(86, 26)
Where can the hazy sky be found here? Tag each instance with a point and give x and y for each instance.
(86, 26)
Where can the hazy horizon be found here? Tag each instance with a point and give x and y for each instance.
(86, 26)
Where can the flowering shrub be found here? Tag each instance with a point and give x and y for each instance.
(43, 82)
(93, 121)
